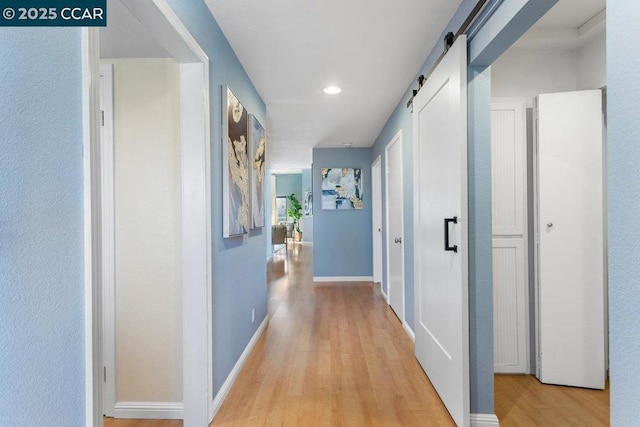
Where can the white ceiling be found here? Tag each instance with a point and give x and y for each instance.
(372, 49)
(291, 50)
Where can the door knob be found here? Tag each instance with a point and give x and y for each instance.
(398, 240)
(549, 224)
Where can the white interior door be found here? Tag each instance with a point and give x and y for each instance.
(395, 225)
(570, 229)
(376, 206)
(509, 215)
(440, 202)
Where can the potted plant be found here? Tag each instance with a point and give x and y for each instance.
(295, 212)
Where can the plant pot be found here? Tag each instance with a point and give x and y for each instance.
(297, 236)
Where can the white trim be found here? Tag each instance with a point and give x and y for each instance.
(384, 294)
(376, 205)
(216, 404)
(165, 26)
(149, 410)
(343, 278)
(108, 240)
(395, 140)
(91, 182)
(409, 331)
(484, 420)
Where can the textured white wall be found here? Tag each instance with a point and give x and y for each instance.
(148, 230)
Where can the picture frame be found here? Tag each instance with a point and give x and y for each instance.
(341, 188)
(235, 166)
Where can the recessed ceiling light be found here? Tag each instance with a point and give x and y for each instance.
(348, 145)
(332, 90)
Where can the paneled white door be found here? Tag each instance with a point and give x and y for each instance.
(570, 227)
(440, 203)
(395, 226)
(509, 215)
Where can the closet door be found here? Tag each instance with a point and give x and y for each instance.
(570, 228)
(510, 273)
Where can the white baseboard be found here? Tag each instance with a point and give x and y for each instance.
(384, 294)
(149, 410)
(484, 420)
(409, 331)
(343, 278)
(217, 402)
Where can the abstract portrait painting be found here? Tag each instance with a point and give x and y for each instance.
(235, 161)
(341, 188)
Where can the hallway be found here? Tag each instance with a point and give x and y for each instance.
(333, 354)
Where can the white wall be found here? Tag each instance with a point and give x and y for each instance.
(530, 72)
(592, 63)
(148, 230)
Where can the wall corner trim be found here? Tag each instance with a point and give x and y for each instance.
(149, 410)
(409, 331)
(484, 420)
(343, 278)
(217, 402)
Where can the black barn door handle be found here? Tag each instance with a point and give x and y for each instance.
(453, 248)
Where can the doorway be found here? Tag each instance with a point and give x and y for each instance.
(151, 30)
(395, 225)
(544, 62)
(376, 206)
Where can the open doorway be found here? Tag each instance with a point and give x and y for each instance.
(564, 53)
(151, 177)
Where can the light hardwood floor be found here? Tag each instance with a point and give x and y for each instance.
(335, 354)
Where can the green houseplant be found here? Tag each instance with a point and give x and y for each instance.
(295, 212)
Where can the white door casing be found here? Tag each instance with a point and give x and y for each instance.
(395, 225)
(376, 206)
(570, 231)
(509, 216)
(166, 27)
(440, 195)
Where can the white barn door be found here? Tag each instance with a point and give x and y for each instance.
(570, 228)
(441, 233)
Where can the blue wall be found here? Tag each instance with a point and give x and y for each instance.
(236, 288)
(342, 239)
(290, 183)
(41, 228)
(623, 65)
(480, 240)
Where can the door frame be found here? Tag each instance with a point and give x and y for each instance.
(395, 140)
(376, 205)
(165, 26)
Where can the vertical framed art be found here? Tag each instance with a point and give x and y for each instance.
(235, 166)
(257, 149)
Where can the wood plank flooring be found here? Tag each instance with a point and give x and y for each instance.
(335, 354)
(522, 400)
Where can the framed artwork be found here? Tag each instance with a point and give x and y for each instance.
(281, 209)
(235, 166)
(341, 188)
(257, 148)
(308, 203)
